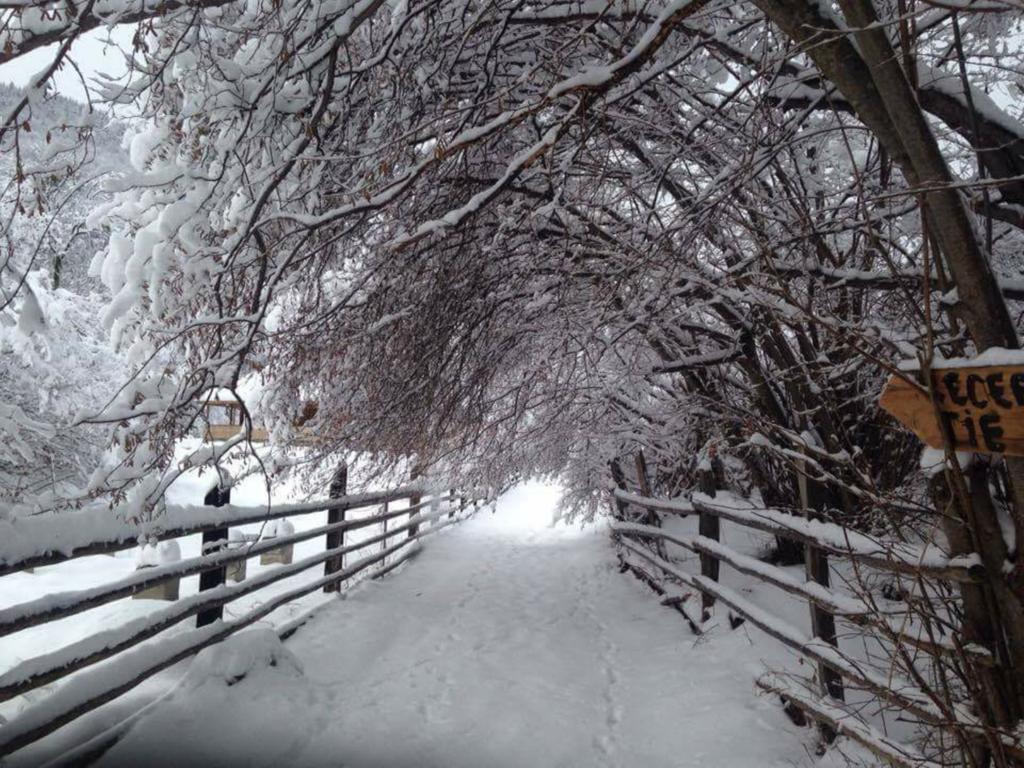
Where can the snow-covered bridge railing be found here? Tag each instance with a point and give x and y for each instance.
(39, 541)
(644, 541)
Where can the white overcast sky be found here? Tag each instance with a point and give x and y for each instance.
(93, 53)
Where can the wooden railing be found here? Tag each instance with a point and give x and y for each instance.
(643, 551)
(32, 542)
(216, 430)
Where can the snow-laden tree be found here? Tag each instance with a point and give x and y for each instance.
(516, 238)
(56, 358)
(57, 362)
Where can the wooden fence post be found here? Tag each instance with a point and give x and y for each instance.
(413, 501)
(709, 526)
(823, 623)
(650, 516)
(643, 479)
(620, 482)
(214, 541)
(384, 530)
(335, 539)
(414, 475)
(434, 508)
(451, 503)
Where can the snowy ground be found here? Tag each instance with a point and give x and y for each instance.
(505, 643)
(85, 572)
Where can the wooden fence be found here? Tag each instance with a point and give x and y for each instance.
(643, 552)
(53, 540)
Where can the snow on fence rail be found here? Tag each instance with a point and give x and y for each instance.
(30, 542)
(642, 547)
(133, 662)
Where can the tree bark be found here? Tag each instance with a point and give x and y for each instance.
(870, 77)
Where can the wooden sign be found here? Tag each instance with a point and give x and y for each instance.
(983, 406)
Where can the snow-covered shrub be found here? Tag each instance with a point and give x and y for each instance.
(57, 364)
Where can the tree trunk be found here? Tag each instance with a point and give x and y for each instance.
(870, 76)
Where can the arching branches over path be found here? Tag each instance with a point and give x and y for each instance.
(326, 186)
(513, 238)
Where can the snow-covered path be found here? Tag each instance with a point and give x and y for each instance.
(504, 643)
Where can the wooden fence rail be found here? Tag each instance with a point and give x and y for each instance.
(133, 652)
(819, 645)
(63, 604)
(31, 542)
